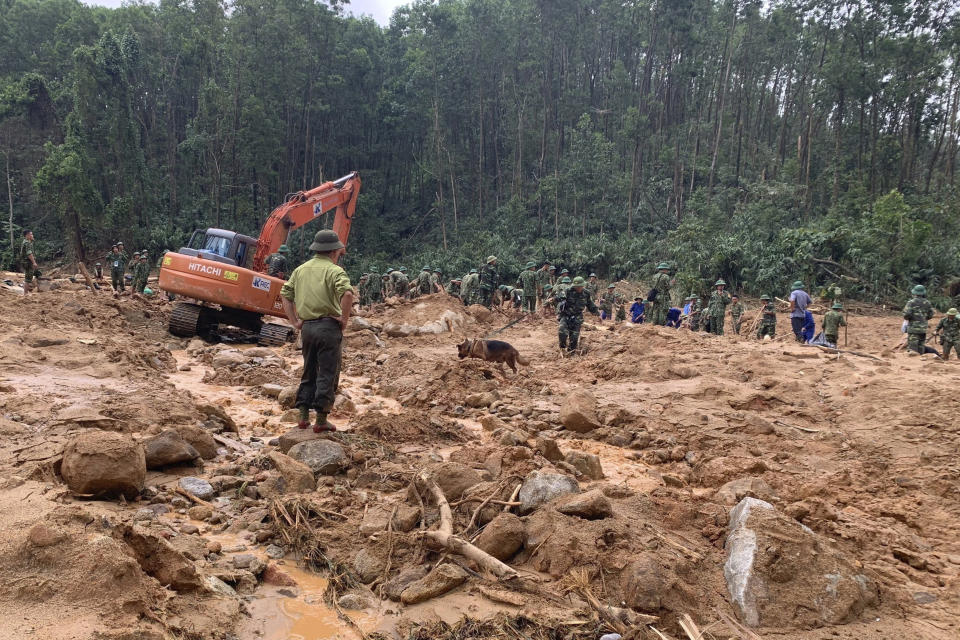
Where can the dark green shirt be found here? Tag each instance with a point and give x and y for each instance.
(832, 321)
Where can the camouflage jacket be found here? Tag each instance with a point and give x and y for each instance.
(606, 301)
(453, 288)
(424, 283)
(374, 284)
(571, 303)
(949, 328)
(661, 282)
(141, 270)
(489, 278)
(543, 279)
(769, 315)
(528, 281)
(736, 311)
(277, 265)
(718, 303)
(592, 288)
(26, 250)
(115, 260)
(917, 312)
(832, 321)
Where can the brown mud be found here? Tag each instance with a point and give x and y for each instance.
(862, 451)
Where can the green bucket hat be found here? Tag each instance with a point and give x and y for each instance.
(326, 240)
(952, 311)
(919, 290)
(566, 280)
(563, 271)
(719, 282)
(837, 305)
(663, 265)
(766, 297)
(548, 287)
(473, 270)
(425, 269)
(578, 281)
(283, 249)
(530, 265)
(798, 285)
(491, 259)
(593, 275)
(611, 286)
(552, 268)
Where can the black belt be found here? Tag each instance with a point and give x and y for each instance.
(335, 321)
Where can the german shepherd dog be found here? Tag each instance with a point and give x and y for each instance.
(492, 351)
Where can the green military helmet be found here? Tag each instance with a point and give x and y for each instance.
(403, 269)
(530, 264)
(548, 287)
(552, 268)
(564, 271)
(473, 270)
(609, 286)
(720, 282)
(491, 259)
(98, 264)
(325, 241)
(798, 285)
(143, 255)
(919, 290)
(456, 280)
(437, 271)
(837, 305)
(952, 311)
(136, 253)
(766, 297)
(592, 275)
(566, 280)
(389, 271)
(373, 270)
(662, 266)
(425, 269)
(502, 287)
(283, 249)
(577, 282)
(119, 243)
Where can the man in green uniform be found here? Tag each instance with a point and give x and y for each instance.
(453, 287)
(736, 313)
(374, 287)
(949, 331)
(696, 310)
(543, 279)
(134, 261)
(387, 283)
(116, 260)
(141, 272)
(606, 301)
(401, 284)
(437, 281)
(917, 312)
(549, 301)
(832, 321)
(570, 306)
(552, 274)
(561, 289)
(621, 308)
(717, 308)
(528, 281)
(469, 288)
(768, 322)
(362, 291)
(489, 281)
(593, 286)
(423, 285)
(318, 299)
(659, 295)
(278, 264)
(28, 262)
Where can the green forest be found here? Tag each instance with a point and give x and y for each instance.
(757, 141)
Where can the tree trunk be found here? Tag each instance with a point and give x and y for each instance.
(10, 201)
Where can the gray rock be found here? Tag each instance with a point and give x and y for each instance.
(394, 587)
(324, 457)
(144, 514)
(541, 487)
(579, 411)
(587, 464)
(503, 537)
(287, 396)
(168, 448)
(444, 578)
(297, 477)
(735, 490)
(271, 390)
(353, 602)
(219, 586)
(592, 505)
(197, 486)
(781, 574)
(227, 358)
(368, 566)
(548, 448)
(454, 478)
(243, 560)
(274, 552)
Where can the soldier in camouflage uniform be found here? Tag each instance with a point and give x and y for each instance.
(387, 283)
(660, 290)
(949, 331)
(768, 322)
(133, 262)
(489, 281)
(832, 321)
(374, 287)
(717, 309)
(528, 281)
(469, 289)
(543, 279)
(917, 312)
(401, 284)
(570, 308)
(561, 288)
(423, 284)
(593, 286)
(736, 313)
(28, 262)
(549, 301)
(606, 302)
(278, 264)
(141, 272)
(363, 292)
(621, 308)
(696, 310)
(116, 260)
(437, 279)
(453, 287)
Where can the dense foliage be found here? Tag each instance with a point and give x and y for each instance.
(755, 141)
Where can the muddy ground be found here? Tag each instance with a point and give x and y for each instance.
(860, 449)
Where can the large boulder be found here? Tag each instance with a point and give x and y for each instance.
(200, 439)
(503, 537)
(540, 487)
(197, 486)
(444, 578)
(549, 449)
(295, 436)
(104, 463)
(297, 477)
(781, 574)
(368, 565)
(592, 505)
(394, 587)
(454, 478)
(324, 457)
(586, 464)
(168, 448)
(159, 559)
(643, 583)
(579, 411)
(287, 396)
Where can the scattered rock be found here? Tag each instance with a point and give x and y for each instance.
(200, 512)
(548, 448)
(271, 390)
(503, 537)
(376, 519)
(541, 487)
(216, 413)
(394, 587)
(587, 464)
(579, 411)
(217, 585)
(781, 574)
(481, 400)
(197, 486)
(454, 478)
(353, 602)
(227, 358)
(297, 476)
(168, 448)
(734, 491)
(287, 396)
(444, 578)
(275, 552)
(755, 425)
(43, 338)
(214, 547)
(40, 535)
(189, 529)
(368, 566)
(592, 505)
(158, 559)
(274, 576)
(200, 439)
(642, 583)
(406, 518)
(104, 463)
(324, 457)
(294, 437)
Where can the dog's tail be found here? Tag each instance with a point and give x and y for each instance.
(522, 360)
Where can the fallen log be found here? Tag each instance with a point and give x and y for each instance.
(853, 353)
(445, 539)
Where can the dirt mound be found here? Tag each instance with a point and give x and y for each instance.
(409, 426)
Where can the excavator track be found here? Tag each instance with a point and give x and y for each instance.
(274, 335)
(185, 319)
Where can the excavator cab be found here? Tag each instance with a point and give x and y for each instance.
(221, 245)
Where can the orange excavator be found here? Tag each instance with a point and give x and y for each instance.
(224, 273)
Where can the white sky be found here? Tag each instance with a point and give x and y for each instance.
(379, 9)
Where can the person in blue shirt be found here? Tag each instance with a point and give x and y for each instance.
(809, 327)
(673, 317)
(637, 310)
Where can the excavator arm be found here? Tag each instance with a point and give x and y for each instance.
(303, 207)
